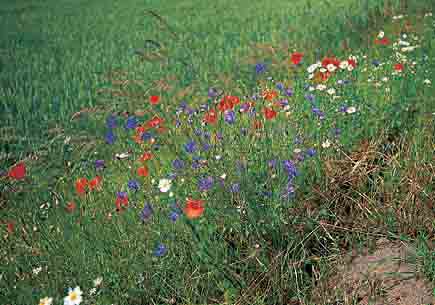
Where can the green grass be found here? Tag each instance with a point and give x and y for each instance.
(55, 60)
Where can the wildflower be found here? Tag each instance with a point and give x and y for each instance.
(321, 87)
(18, 171)
(313, 67)
(142, 171)
(212, 92)
(194, 208)
(146, 156)
(205, 184)
(289, 92)
(154, 99)
(235, 188)
(74, 296)
(326, 144)
(269, 94)
(111, 121)
(384, 41)
(95, 183)
(206, 146)
(269, 113)
(331, 67)
(398, 67)
(381, 35)
(210, 117)
(81, 184)
(289, 191)
(173, 216)
(133, 185)
(164, 185)
(46, 301)
(131, 123)
(121, 199)
(110, 137)
(309, 97)
(229, 116)
(98, 281)
(280, 86)
(160, 250)
(311, 152)
(296, 58)
(290, 167)
(427, 82)
(146, 212)
(155, 121)
(260, 68)
(351, 110)
(35, 271)
(70, 207)
(99, 164)
(92, 291)
(331, 91)
(190, 146)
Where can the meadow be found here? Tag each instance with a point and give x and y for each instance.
(189, 152)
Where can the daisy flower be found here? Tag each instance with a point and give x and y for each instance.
(351, 110)
(98, 281)
(74, 296)
(326, 144)
(164, 185)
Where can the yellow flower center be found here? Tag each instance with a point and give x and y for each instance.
(73, 296)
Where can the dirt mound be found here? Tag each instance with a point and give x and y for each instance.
(387, 276)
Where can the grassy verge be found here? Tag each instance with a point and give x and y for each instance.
(252, 245)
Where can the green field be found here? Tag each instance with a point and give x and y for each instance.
(298, 168)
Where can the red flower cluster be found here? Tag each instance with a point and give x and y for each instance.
(228, 102)
(121, 200)
(17, 172)
(296, 58)
(194, 208)
(210, 117)
(154, 99)
(384, 41)
(83, 183)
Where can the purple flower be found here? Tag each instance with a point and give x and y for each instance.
(197, 132)
(190, 146)
(260, 68)
(110, 137)
(205, 184)
(311, 152)
(111, 121)
(131, 123)
(99, 164)
(235, 188)
(212, 92)
(206, 146)
(272, 163)
(283, 102)
(146, 136)
(219, 135)
(289, 92)
(229, 116)
(206, 135)
(290, 167)
(178, 164)
(309, 97)
(280, 86)
(342, 109)
(177, 123)
(336, 132)
(160, 250)
(133, 185)
(121, 195)
(298, 140)
(289, 191)
(173, 216)
(244, 107)
(146, 212)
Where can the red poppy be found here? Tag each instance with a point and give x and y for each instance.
(269, 94)
(140, 129)
(398, 67)
(121, 200)
(228, 102)
(94, 183)
(352, 62)
(142, 171)
(384, 41)
(155, 121)
(146, 156)
(269, 113)
(296, 57)
(10, 226)
(18, 171)
(210, 117)
(70, 207)
(81, 184)
(330, 60)
(194, 208)
(154, 99)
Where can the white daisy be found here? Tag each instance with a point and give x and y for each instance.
(164, 185)
(36, 270)
(331, 91)
(351, 110)
(98, 281)
(74, 296)
(313, 67)
(323, 70)
(46, 301)
(350, 68)
(344, 64)
(331, 67)
(223, 176)
(381, 34)
(321, 87)
(326, 144)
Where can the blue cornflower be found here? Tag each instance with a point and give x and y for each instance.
(280, 86)
(289, 92)
(229, 116)
(110, 137)
(376, 62)
(272, 163)
(212, 92)
(197, 132)
(190, 146)
(311, 152)
(290, 168)
(283, 102)
(204, 107)
(342, 109)
(160, 250)
(177, 123)
(178, 164)
(309, 97)
(121, 195)
(99, 164)
(205, 183)
(146, 212)
(260, 68)
(336, 132)
(206, 146)
(289, 191)
(131, 123)
(146, 136)
(235, 188)
(298, 140)
(219, 135)
(173, 216)
(111, 121)
(133, 185)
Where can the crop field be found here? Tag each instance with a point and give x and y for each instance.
(217, 152)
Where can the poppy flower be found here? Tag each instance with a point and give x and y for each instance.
(398, 67)
(194, 208)
(146, 156)
(70, 207)
(269, 94)
(384, 41)
(269, 113)
(155, 121)
(94, 183)
(121, 199)
(154, 99)
(210, 117)
(228, 102)
(17, 172)
(142, 171)
(330, 60)
(10, 226)
(296, 58)
(81, 184)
